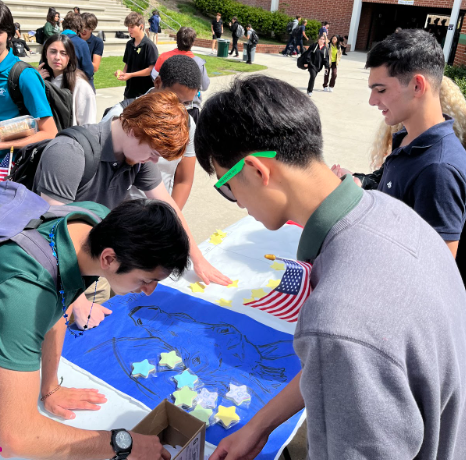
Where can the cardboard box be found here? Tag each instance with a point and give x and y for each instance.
(174, 426)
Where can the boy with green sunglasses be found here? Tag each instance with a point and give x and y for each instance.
(381, 337)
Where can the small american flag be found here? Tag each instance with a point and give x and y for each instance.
(288, 297)
(5, 167)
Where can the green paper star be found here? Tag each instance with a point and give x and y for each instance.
(170, 359)
(202, 414)
(184, 397)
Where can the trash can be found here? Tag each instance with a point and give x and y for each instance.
(223, 45)
(245, 54)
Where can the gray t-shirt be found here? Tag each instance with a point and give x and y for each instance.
(382, 340)
(61, 168)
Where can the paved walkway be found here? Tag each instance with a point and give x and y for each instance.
(349, 124)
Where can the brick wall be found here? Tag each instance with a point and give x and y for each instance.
(261, 3)
(460, 56)
(337, 12)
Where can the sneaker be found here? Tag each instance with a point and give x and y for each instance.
(331, 90)
(236, 55)
(247, 62)
(212, 52)
(309, 94)
(326, 89)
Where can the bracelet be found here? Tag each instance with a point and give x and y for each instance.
(53, 391)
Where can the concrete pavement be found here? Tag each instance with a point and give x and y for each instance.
(348, 122)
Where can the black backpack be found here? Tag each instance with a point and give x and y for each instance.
(40, 36)
(305, 57)
(297, 33)
(28, 158)
(18, 47)
(60, 100)
(289, 28)
(254, 38)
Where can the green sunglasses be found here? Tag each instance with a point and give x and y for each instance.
(223, 188)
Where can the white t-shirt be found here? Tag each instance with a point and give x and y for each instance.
(84, 104)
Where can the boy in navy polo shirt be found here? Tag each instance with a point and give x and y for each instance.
(31, 85)
(140, 57)
(427, 167)
(72, 26)
(95, 44)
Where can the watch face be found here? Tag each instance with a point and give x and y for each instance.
(123, 440)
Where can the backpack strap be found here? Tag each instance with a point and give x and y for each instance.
(92, 150)
(32, 242)
(13, 86)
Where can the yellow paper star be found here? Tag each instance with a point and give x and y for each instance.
(227, 415)
(224, 303)
(245, 301)
(277, 266)
(220, 234)
(197, 287)
(214, 239)
(273, 283)
(258, 293)
(233, 284)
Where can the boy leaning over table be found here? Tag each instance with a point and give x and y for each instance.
(381, 337)
(138, 244)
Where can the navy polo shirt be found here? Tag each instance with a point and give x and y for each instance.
(429, 175)
(82, 55)
(96, 46)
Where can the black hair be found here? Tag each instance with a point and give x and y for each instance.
(180, 69)
(6, 22)
(145, 234)
(258, 113)
(408, 52)
(338, 41)
(325, 23)
(77, 8)
(155, 12)
(185, 38)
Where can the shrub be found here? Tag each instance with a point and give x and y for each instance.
(140, 6)
(263, 22)
(458, 75)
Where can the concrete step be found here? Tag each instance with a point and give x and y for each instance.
(39, 8)
(29, 16)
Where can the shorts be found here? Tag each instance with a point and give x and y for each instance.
(216, 35)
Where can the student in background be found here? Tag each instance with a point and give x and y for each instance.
(31, 86)
(59, 67)
(139, 58)
(154, 22)
(18, 38)
(250, 44)
(334, 51)
(52, 26)
(217, 30)
(95, 44)
(317, 59)
(289, 45)
(299, 34)
(73, 25)
(76, 10)
(185, 39)
(324, 30)
(234, 27)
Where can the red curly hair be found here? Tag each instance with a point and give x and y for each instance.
(159, 120)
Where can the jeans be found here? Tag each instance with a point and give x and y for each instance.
(249, 48)
(312, 78)
(298, 43)
(234, 46)
(333, 68)
(289, 45)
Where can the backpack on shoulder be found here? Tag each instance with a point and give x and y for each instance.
(239, 31)
(28, 158)
(289, 28)
(21, 213)
(254, 38)
(18, 47)
(40, 35)
(60, 100)
(297, 33)
(305, 57)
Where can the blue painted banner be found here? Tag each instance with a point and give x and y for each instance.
(220, 346)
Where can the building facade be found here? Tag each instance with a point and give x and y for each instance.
(379, 18)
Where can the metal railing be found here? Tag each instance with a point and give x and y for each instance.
(152, 6)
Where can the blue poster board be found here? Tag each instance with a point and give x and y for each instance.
(220, 346)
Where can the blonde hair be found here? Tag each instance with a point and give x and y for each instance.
(453, 104)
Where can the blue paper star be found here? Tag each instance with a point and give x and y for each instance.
(142, 369)
(186, 379)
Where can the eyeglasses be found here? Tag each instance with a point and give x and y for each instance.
(223, 188)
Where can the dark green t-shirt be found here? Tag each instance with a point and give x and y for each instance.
(29, 302)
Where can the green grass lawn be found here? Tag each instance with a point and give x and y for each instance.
(215, 66)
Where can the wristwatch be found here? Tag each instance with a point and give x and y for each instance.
(122, 443)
